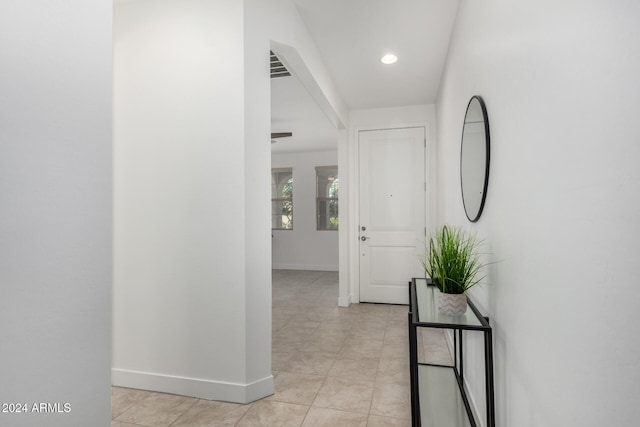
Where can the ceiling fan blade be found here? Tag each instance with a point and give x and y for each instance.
(275, 135)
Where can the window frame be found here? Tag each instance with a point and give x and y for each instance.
(325, 197)
(288, 170)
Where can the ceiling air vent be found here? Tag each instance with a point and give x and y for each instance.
(277, 67)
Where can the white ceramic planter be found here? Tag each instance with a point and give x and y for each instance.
(452, 304)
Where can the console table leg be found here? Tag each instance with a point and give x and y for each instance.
(413, 373)
(488, 368)
(461, 357)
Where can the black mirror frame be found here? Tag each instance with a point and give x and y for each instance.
(485, 118)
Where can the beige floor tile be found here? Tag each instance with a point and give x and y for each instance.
(211, 413)
(394, 370)
(310, 363)
(280, 360)
(373, 332)
(296, 326)
(124, 398)
(372, 314)
(394, 352)
(432, 337)
(360, 369)
(269, 413)
(119, 424)
(365, 320)
(398, 310)
(391, 400)
(396, 331)
(371, 318)
(322, 417)
(379, 309)
(289, 342)
(397, 341)
(292, 330)
(339, 322)
(434, 347)
(437, 356)
(317, 314)
(378, 421)
(398, 319)
(395, 348)
(157, 410)
(293, 387)
(345, 394)
(357, 347)
(420, 345)
(341, 314)
(325, 343)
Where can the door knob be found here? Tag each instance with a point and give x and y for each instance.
(363, 238)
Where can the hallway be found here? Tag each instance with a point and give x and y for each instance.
(332, 366)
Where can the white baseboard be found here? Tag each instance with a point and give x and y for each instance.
(309, 267)
(193, 387)
(344, 301)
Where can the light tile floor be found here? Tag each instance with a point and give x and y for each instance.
(333, 366)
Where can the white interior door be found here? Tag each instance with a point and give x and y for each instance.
(392, 212)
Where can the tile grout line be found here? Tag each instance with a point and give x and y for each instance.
(185, 411)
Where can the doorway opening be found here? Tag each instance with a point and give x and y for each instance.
(305, 177)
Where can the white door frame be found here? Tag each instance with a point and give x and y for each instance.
(354, 202)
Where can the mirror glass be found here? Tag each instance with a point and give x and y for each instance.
(474, 158)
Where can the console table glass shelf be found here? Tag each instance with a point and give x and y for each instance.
(438, 396)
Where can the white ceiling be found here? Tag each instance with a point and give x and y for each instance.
(352, 36)
(294, 110)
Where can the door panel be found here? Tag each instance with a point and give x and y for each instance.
(392, 212)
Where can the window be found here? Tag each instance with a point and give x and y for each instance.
(327, 197)
(282, 199)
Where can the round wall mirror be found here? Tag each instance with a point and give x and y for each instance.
(474, 158)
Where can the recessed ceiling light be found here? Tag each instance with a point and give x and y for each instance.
(389, 58)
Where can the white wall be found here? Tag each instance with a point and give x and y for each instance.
(379, 118)
(55, 220)
(257, 128)
(179, 286)
(192, 286)
(560, 80)
(305, 247)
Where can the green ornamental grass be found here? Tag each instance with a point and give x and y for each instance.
(452, 260)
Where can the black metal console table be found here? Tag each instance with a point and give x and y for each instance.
(438, 396)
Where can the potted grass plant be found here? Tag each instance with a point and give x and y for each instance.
(452, 261)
